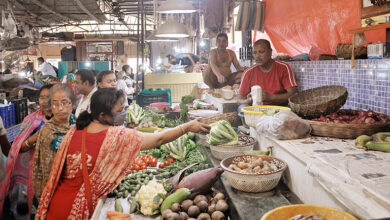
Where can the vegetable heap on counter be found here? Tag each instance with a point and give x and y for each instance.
(134, 114)
(354, 117)
(379, 142)
(221, 132)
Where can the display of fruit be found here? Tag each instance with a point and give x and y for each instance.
(221, 132)
(378, 142)
(134, 114)
(354, 117)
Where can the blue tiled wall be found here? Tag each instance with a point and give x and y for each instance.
(368, 83)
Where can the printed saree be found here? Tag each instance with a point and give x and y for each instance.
(19, 165)
(118, 150)
(48, 141)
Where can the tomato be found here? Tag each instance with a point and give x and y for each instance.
(161, 165)
(170, 159)
(153, 161)
(144, 167)
(166, 162)
(139, 162)
(136, 167)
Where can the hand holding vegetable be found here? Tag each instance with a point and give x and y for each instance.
(195, 126)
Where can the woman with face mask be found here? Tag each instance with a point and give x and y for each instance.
(20, 160)
(61, 100)
(95, 156)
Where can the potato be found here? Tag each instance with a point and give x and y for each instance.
(166, 213)
(217, 215)
(211, 208)
(204, 216)
(199, 198)
(175, 207)
(185, 205)
(222, 206)
(183, 215)
(193, 211)
(202, 205)
(219, 196)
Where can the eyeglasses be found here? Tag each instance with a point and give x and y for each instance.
(60, 104)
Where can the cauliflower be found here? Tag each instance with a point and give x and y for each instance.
(146, 195)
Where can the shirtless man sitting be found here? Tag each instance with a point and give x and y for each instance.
(218, 73)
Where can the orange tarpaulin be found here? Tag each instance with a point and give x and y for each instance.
(294, 26)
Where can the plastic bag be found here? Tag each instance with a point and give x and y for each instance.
(284, 125)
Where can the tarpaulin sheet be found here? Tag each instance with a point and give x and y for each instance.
(295, 26)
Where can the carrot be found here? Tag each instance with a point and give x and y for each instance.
(113, 215)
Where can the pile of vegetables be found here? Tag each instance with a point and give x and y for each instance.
(354, 117)
(178, 148)
(379, 142)
(203, 207)
(183, 106)
(167, 167)
(134, 114)
(221, 132)
(159, 119)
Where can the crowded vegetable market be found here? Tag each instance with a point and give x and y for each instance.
(195, 109)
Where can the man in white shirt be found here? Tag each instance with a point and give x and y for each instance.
(45, 68)
(85, 84)
(5, 147)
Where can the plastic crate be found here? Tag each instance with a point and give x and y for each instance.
(7, 113)
(147, 97)
(21, 109)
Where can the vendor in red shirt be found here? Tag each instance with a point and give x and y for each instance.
(276, 78)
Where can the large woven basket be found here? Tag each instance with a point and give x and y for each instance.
(230, 117)
(245, 143)
(253, 182)
(287, 212)
(346, 131)
(313, 103)
(253, 113)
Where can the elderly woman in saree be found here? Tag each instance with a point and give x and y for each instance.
(17, 184)
(95, 156)
(61, 99)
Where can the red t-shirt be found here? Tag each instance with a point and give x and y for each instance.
(276, 81)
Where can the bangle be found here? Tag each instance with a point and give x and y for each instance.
(27, 144)
(182, 129)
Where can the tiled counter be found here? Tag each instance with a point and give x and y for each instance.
(368, 84)
(334, 173)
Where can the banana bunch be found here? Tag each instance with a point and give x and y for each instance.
(379, 142)
(221, 132)
(177, 148)
(134, 114)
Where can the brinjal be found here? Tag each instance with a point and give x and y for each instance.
(200, 182)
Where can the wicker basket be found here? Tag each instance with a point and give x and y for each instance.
(345, 131)
(203, 139)
(230, 117)
(313, 103)
(253, 113)
(286, 212)
(245, 143)
(253, 182)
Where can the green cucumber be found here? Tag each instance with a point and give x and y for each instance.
(118, 206)
(378, 146)
(176, 197)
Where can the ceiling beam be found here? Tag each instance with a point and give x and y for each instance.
(49, 10)
(78, 2)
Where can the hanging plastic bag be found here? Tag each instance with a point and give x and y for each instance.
(284, 125)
